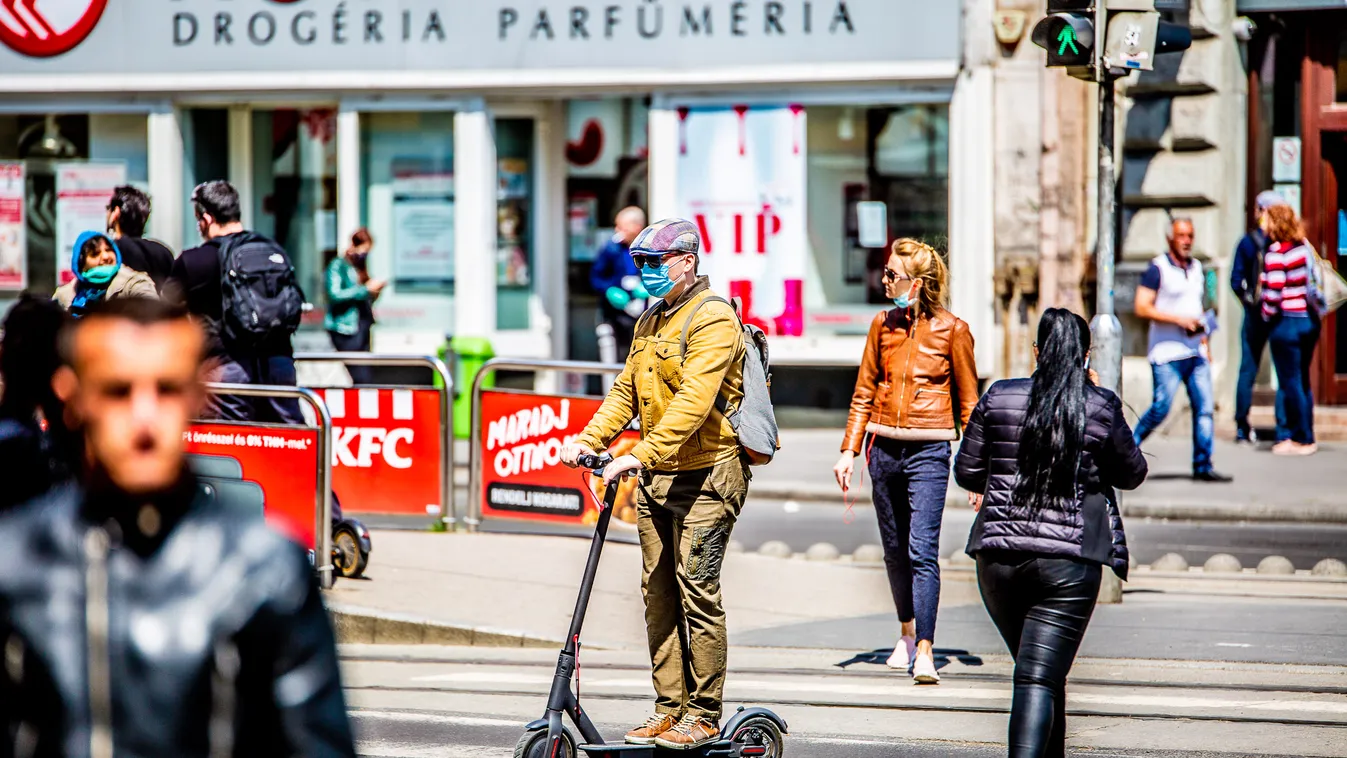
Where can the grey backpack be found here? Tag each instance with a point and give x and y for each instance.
(754, 421)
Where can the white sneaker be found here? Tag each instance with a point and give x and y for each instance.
(903, 653)
(923, 671)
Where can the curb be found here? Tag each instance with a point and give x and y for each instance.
(355, 625)
(1132, 506)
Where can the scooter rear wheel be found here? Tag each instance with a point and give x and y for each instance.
(758, 737)
(350, 559)
(534, 745)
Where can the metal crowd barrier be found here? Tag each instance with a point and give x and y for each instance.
(449, 515)
(322, 559)
(475, 494)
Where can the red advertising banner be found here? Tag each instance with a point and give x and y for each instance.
(282, 460)
(522, 474)
(387, 450)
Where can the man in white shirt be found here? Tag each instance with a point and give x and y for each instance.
(1171, 298)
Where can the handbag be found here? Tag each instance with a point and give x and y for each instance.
(1328, 290)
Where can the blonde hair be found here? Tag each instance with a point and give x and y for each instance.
(921, 261)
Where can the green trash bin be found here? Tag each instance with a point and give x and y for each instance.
(469, 355)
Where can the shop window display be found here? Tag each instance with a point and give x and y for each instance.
(57, 173)
(514, 219)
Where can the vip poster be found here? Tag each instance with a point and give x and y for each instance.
(82, 194)
(741, 178)
(13, 250)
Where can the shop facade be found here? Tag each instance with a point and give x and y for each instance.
(487, 146)
(1298, 139)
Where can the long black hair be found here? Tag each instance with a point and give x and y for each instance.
(1054, 426)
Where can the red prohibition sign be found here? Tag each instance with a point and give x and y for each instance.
(47, 28)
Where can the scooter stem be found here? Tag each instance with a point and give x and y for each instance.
(591, 566)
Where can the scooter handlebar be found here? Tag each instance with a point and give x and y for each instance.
(595, 463)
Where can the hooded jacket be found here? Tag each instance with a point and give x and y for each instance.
(127, 283)
(1091, 527)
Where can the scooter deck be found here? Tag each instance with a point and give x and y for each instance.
(618, 750)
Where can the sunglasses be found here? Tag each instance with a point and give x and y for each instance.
(892, 276)
(650, 260)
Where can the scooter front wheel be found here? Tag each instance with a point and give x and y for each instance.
(348, 557)
(534, 745)
(758, 737)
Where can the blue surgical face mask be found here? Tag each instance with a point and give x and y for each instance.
(904, 300)
(656, 280)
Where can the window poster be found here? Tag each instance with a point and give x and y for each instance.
(82, 194)
(13, 251)
(423, 228)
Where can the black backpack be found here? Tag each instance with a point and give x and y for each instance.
(260, 295)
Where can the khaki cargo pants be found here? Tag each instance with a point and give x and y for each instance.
(685, 520)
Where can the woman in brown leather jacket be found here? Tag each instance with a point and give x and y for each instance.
(916, 388)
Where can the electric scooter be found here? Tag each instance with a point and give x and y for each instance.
(749, 732)
(350, 548)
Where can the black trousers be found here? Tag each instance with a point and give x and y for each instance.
(1041, 604)
(354, 343)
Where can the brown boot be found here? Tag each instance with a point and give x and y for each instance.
(691, 731)
(653, 727)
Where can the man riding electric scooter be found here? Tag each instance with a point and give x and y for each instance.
(685, 366)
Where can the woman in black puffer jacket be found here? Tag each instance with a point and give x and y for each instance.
(1041, 457)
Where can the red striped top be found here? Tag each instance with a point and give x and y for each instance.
(1285, 279)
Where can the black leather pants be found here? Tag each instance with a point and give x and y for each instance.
(1041, 604)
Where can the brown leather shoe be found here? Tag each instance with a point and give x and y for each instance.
(653, 727)
(690, 732)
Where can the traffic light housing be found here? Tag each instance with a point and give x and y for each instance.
(1095, 39)
(1068, 38)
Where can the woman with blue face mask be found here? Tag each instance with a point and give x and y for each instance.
(99, 274)
(915, 390)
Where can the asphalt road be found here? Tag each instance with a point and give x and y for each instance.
(803, 524)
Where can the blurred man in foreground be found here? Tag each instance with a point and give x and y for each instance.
(140, 615)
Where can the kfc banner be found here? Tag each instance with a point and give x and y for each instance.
(387, 450)
(281, 461)
(741, 179)
(522, 473)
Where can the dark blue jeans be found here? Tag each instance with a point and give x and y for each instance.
(276, 370)
(1293, 339)
(909, 480)
(1253, 340)
(1195, 375)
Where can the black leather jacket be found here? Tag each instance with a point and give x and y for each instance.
(192, 630)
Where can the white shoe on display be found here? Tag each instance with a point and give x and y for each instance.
(903, 653)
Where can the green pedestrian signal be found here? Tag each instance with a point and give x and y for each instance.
(1067, 37)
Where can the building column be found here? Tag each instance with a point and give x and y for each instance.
(165, 153)
(474, 221)
(663, 148)
(241, 159)
(349, 184)
(972, 248)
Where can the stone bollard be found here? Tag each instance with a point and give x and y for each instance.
(775, 549)
(1110, 587)
(1170, 562)
(868, 554)
(1222, 563)
(1330, 567)
(822, 551)
(1276, 565)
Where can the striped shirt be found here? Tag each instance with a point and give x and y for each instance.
(1285, 280)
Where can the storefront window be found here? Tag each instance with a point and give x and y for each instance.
(408, 174)
(295, 188)
(607, 169)
(1342, 69)
(57, 173)
(515, 220)
(205, 143)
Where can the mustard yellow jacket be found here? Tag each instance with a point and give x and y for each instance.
(674, 396)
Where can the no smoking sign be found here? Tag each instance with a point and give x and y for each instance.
(47, 28)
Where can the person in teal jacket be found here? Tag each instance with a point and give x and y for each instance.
(350, 301)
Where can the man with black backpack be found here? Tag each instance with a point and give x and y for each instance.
(695, 379)
(242, 287)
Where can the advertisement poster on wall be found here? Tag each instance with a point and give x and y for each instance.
(522, 473)
(82, 194)
(13, 257)
(423, 228)
(741, 178)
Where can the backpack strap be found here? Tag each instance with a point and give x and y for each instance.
(721, 403)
